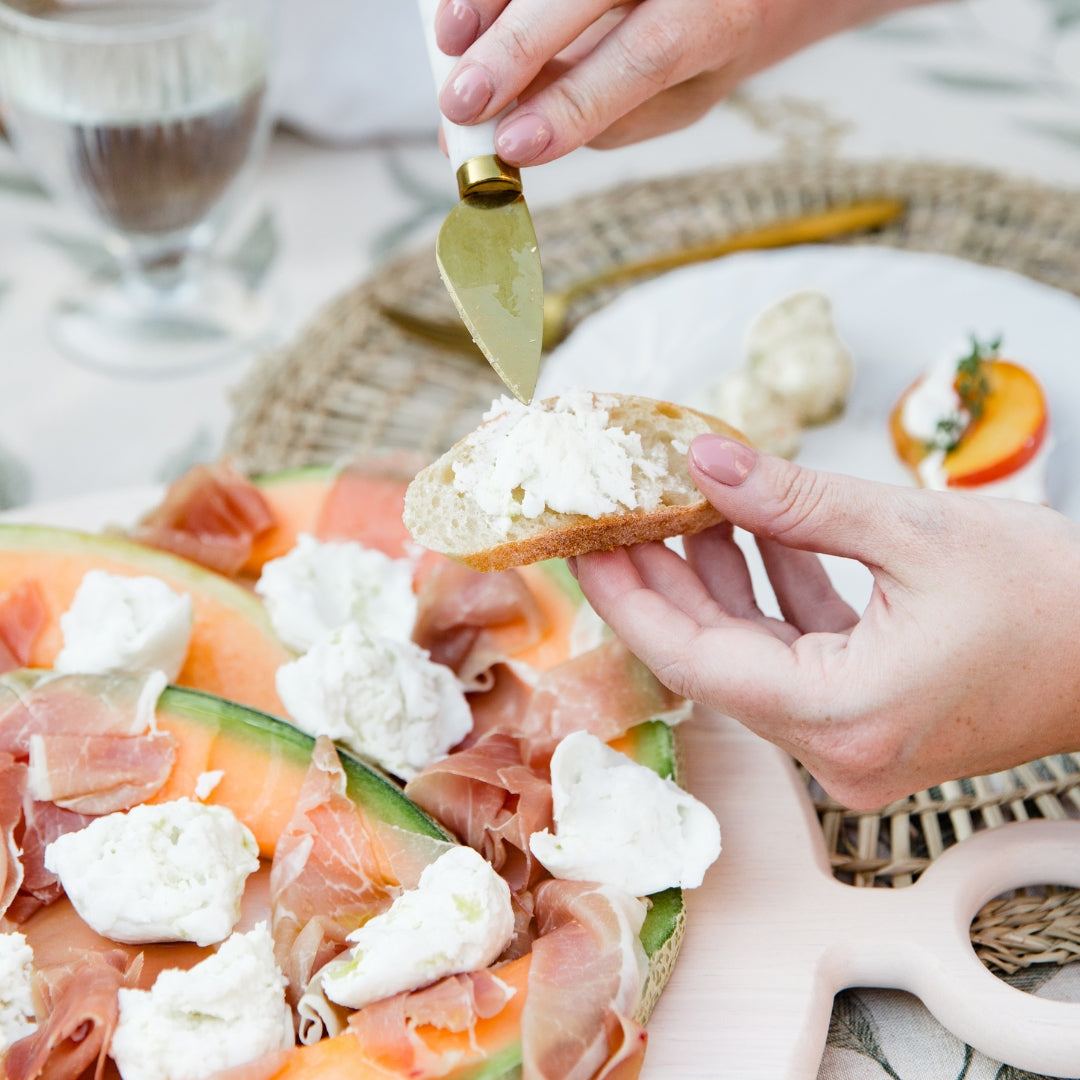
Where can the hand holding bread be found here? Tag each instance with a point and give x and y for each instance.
(579, 472)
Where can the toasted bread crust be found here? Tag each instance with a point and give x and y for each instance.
(578, 535)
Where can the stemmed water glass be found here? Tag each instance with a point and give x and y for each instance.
(148, 118)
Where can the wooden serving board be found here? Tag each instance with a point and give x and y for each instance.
(772, 936)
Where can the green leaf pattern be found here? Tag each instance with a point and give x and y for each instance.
(1037, 79)
(852, 1027)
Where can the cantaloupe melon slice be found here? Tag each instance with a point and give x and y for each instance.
(331, 503)
(233, 652)
(263, 761)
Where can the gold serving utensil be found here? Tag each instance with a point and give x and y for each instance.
(805, 229)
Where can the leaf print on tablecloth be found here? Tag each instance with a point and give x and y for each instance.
(1063, 13)
(89, 254)
(984, 83)
(852, 1027)
(1066, 133)
(1010, 1072)
(21, 184)
(1029, 979)
(431, 204)
(257, 250)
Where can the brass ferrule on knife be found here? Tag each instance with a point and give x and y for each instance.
(487, 174)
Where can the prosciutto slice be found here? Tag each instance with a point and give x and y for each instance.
(333, 870)
(502, 704)
(211, 515)
(42, 824)
(468, 620)
(491, 800)
(12, 788)
(366, 501)
(82, 1011)
(387, 1029)
(41, 703)
(585, 979)
(22, 615)
(605, 691)
(100, 774)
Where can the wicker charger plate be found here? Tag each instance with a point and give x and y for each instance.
(354, 383)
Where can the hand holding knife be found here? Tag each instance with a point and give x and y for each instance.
(486, 251)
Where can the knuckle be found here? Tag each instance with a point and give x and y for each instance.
(652, 58)
(519, 43)
(577, 105)
(799, 499)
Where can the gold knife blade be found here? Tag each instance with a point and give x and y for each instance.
(486, 251)
(489, 260)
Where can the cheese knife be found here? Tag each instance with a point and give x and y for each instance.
(487, 251)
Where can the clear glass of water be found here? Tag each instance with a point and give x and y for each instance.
(148, 118)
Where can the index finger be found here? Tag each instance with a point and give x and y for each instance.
(515, 41)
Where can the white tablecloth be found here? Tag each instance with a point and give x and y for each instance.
(989, 82)
(993, 82)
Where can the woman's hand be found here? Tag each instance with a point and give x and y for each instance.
(965, 661)
(612, 72)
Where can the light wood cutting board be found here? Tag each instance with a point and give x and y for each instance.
(772, 936)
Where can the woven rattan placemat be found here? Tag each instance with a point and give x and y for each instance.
(354, 383)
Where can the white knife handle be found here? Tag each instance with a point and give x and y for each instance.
(463, 143)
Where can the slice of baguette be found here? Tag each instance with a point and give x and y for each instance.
(451, 521)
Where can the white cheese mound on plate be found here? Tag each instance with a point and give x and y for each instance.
(793, 348)
(17, 1018)
(118, 623)
(319, 586)
(768, 420)
(619, 823)
(171, 871)
(225, 1011)
(566, 458)
(382, 698)
(458, 919)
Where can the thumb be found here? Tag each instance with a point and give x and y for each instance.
(801, 508)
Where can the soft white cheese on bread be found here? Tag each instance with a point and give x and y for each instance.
(580, 472)
(568, 457)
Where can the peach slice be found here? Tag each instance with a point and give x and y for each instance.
(1005, 437)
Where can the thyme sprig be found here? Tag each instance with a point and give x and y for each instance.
(972, 381)
(972, 387)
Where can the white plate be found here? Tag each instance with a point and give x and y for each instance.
(898, 311)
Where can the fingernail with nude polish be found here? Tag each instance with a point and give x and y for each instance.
(456, 27)
(465, 95)
(725, 460)
(523, 139)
